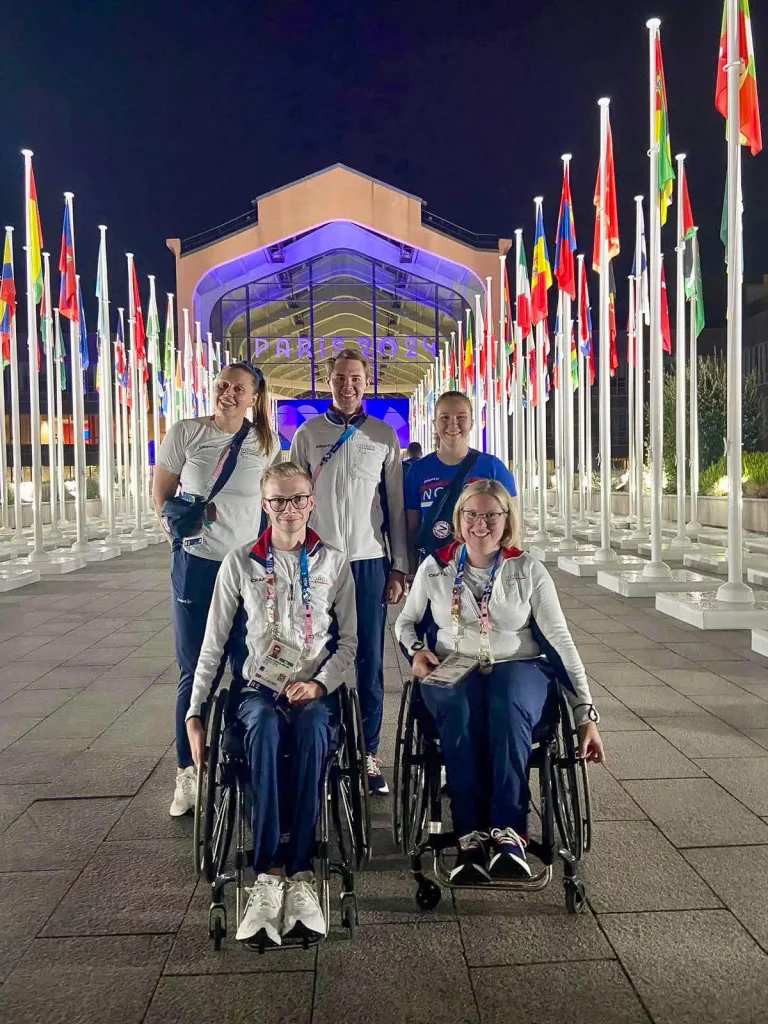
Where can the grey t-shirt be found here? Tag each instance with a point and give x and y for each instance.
(191, 449)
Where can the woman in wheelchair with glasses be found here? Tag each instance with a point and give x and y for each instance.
(299, 602)
(497, 612)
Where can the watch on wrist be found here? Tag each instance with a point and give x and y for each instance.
(415, 647)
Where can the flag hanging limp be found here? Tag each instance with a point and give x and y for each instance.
(749, 104)
(666, 179)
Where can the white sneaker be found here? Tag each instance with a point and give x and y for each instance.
(264, 910)
(302, 905)
(186, 792)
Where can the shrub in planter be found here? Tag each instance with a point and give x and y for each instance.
(754, 476)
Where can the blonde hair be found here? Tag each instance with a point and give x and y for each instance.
(284, 471)
(351, 354)
(510, 538)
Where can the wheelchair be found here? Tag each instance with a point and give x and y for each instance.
(223, 808)
(564, 801)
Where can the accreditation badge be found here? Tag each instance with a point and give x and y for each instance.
(277, 665)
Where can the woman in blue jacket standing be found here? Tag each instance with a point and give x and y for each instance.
(192, 456)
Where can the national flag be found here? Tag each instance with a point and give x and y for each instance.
(489, 340)
(689, 226)
(36, 239)
(85, 362)
(574, 359)
(121, 366)
(523, 297)
(666, 178)
(153, 335)
(693, 284)
(611, 207)
(566, 240)
(469, 355)
(509, 326)
(645, 296)
(613, 352)
(7, 302)
(631, 333)
(169, 346)
(666, 331)
(452, 368)
(542, 272)
(60, 354)
(103, 317)
(179, 385)
(750, 133)
(69, 305)
(139, 332)
(585, 326)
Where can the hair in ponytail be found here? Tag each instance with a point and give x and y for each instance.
(260, 405)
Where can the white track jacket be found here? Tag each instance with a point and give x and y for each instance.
(242, 575)
(348, 509)
(525, 616)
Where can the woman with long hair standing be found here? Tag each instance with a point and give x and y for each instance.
(190, 460)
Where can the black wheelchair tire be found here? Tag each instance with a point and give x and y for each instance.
(570, 787)
(219, 818)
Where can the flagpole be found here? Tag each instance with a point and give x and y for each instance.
(198, 378)
(154, 349)
(566, 382)
(125, 434)
(54, 533)
(137, 396)
(530, 417)
(693, 527)
(107, 434)
(78, 413)
(582, 522)
(502, 411)
(605, 552)
(6, 533)
(681, 540)
(557, 424)
(735, 590)
(656, 568)
(478, 409)
(640, 533)
(59, 356)
(170, 384)
(118, 432)
(19, 544)
(517, 423)
(187, 381)
(631, 360)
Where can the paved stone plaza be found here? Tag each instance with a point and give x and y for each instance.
(103, 920)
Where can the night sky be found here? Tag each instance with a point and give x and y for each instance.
(167, 118)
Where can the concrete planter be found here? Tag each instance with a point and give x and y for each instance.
(712, 511)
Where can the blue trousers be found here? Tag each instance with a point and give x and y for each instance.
(192, 582)
(370, 577)
(486, 727)
(286, 790)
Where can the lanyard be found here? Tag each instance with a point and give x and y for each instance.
(306, 597)
(333, 449)
(485, 619)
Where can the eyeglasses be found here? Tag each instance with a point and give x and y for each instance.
(491, 518)
(299, 502)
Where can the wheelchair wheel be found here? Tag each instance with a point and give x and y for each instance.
(410, 792)
(350, 806)
(570, 787)
(219, 806)
(197, 831)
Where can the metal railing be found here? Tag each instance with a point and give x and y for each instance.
(229, 227)
(447, 227)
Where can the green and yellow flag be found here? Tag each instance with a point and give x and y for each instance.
(666, 167)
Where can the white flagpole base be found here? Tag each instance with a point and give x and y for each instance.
(6, 534)
(590, 534)
(622, 541)
(39, 559)
(635, 584)
(736, 593)
(669, 554)
(760, 642)
(692, 529)
(58, 564)
(758, 546)
(704, 610)
(587, 566)
(13, 577)
(605, 555)
(20, 546)
(680, 541)
(133, 543)
(99, 551)
(657, 570)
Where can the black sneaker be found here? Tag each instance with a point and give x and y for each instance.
(508, 855)
(470, 867)
(376, 782)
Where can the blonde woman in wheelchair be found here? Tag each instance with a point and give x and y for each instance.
(498, 616)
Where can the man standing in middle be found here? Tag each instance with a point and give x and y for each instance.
(354, 462)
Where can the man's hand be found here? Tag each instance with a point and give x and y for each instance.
(423, 663)
(303, 693)
(395, 587)
(196, 734)
(591, 743)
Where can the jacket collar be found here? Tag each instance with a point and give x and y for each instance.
(339, 421)
(259, 550)
(445, 555)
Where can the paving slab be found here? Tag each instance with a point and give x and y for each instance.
(598, 654)
(490, 940)
(697, 812)
(746, 778)
(652, 701)
(26, 901)
(15, 799)
(621, 675)
(233, 999)
(610, 801)
(647, 755)
(87, 980)
(703, 735)
(692, 681)
(740, 709)
(653, 875)
(737, 874)
(381, 977)
(616, 717)
(142, 886)
(595, 992)
(692, 967)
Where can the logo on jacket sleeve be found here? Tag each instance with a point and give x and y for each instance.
(441, 529)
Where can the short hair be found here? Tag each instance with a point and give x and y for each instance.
(349, 353)
(284, 471)
(511, 536)
(414, 450)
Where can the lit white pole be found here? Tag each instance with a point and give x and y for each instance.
(209, 338)
(107, 431)
(124, 392)
(681, 539)
(477, 396)
(59, 369)
(78, 415)
(735, 590)
(640, 533)
(605, 552)
(631, 347)
(582, 520)
(5, 530)
(488, 383)
(199, 369)
(187, 382)
(54, 533)
(557, 508)
(138, 394)
(530, 417)
(153, 330)
(517, 423)
(19, 544)
(170, 342)
(566, 385)
(656, 568)
(694, 526)
(541, 536)
(118, 417)
(503, 363)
